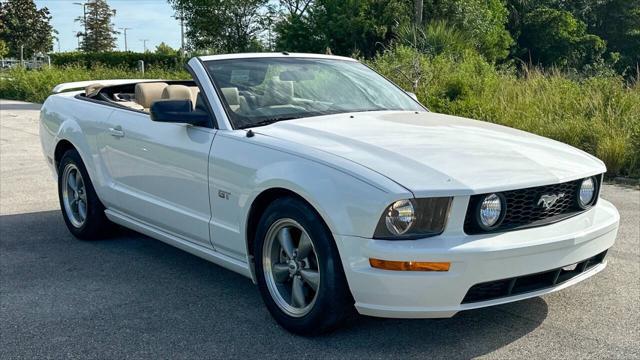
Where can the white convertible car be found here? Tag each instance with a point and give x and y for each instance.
(329, 187)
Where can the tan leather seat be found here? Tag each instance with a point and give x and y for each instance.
(93, 89)
(232, 96)
(236, 102)
(176, 92)
(277, 93)
(131, 104)
(194, 93)
(147, 93)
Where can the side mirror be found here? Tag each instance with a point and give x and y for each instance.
(177, 111)
(413, 96)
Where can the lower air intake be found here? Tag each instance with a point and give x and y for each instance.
(527, 283)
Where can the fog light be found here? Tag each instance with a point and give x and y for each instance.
(587, 192)
(490, 211)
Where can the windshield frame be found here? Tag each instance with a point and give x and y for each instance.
(308, 114)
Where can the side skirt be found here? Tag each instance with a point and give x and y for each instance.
(195, 249)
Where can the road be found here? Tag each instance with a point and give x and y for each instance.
(134, 297)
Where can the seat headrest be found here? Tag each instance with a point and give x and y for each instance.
(232, 95)
(181, 92)
(278, 92)
(177, 92)
(147, 93)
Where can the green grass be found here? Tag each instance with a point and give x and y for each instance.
(600, 115)
(36, 85)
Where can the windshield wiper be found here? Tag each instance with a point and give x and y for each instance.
(268, 121)
(374, 109)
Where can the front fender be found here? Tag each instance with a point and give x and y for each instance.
(241, 168)
(347, 204)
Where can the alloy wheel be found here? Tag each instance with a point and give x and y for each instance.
(291, 267)
(74, 195)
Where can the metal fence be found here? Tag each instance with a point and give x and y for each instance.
(35, 63)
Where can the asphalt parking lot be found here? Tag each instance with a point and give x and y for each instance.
(134, 297)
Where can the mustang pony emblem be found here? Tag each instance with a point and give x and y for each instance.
(547, 201)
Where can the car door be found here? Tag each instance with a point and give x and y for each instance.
(159, 173)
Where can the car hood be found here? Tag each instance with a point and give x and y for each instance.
(433, 154)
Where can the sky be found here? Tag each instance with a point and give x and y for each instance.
(148, 19)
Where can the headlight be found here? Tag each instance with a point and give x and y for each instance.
(490, 211)
(587, 192)
(413, 219)
(400, 217)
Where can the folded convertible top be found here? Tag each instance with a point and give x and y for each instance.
(83, 84)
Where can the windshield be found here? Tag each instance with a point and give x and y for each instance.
(260, 91)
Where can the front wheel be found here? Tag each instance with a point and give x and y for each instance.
(299, 270)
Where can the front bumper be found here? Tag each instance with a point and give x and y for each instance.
(474, 259)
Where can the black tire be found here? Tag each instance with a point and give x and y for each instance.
(95, 225)
(333, 301)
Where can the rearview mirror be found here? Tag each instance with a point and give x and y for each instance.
(296, 75)
(178, 111)
(413, 96)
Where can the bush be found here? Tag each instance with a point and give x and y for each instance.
(35, 85)
(434, 38)
(600, 115)
(481, 21)
(126, 59)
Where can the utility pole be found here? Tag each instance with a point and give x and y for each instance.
(84, 16)
(181, 18)
(418, 6)
(124, 29)
(144, 44)
(77, 34)
(182, 49)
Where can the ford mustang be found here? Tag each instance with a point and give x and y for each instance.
(329, 186)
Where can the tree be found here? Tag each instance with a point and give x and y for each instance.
(295, 30)
(344, 26)
(618, 23)
(556, 38)
(165, 49)
(483, 22)
(23, 24)
(4, 50)
(222, 25)
(295, 7)
(100, 34)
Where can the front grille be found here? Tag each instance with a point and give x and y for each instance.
(528, 283)
(523, 208)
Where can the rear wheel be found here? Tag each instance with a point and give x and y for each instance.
(299, 270)
(82, 210)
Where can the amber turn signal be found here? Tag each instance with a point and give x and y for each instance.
(409, 265)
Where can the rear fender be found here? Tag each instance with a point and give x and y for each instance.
(64, 117)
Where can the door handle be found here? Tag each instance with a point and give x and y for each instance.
(116, 131)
